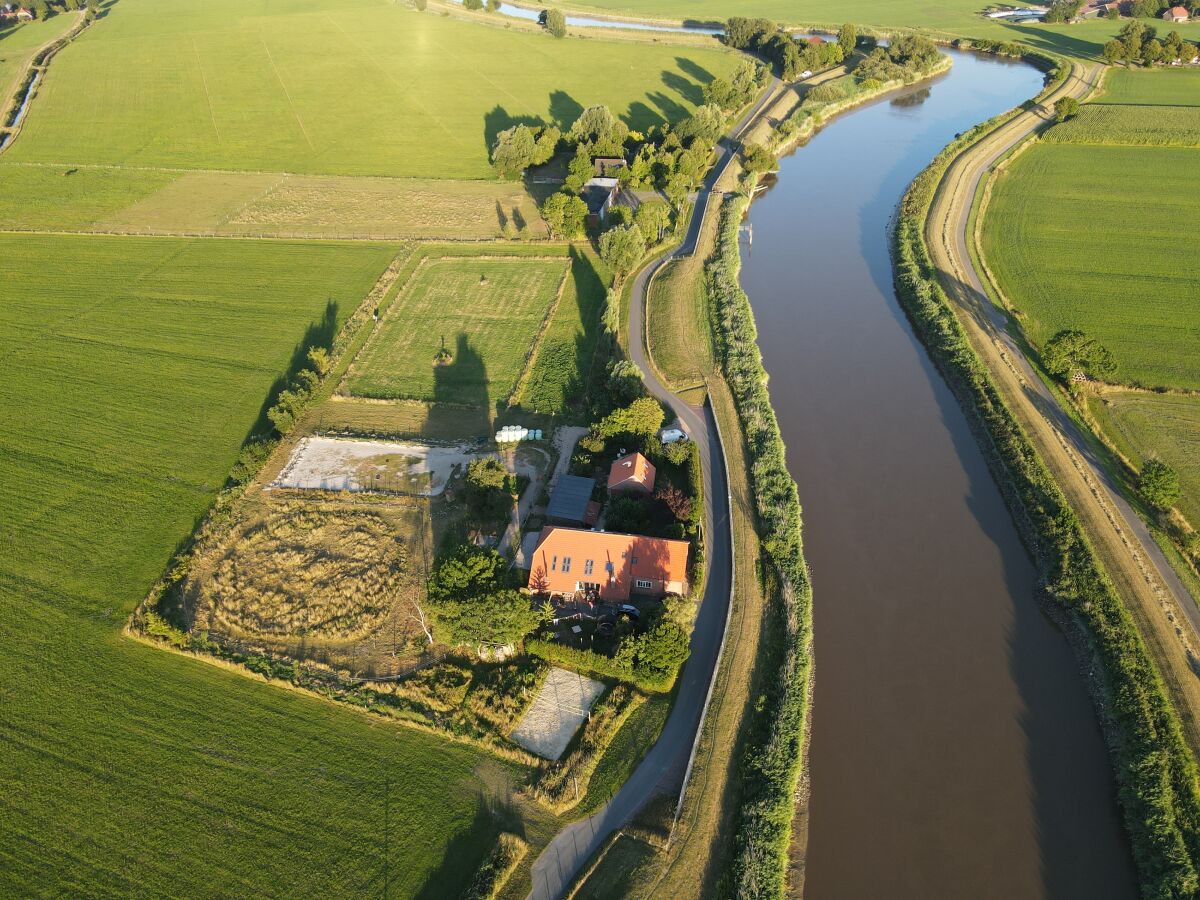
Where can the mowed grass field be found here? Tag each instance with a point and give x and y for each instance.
(1156, 87)
(339, 87)
(489, 303)
(484, 311)
(1095, 235)
(1163, 425)
(133, 369)
(109, 199)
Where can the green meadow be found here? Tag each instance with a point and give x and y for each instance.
(19, 44)
(1089, 230)
(1159, 87)
(340, 87)
(960, 18)
(134, 368)
(1145, 424)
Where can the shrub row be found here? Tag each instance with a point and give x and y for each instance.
(589, 662)
(565, 782)
(774, 754)
(1155, 772)
(494, 873)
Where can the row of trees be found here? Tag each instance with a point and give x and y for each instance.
(904, 58)
(1138, 42)
(789, 56)
(44, 9)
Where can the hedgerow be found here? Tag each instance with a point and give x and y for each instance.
(1156, 774)
(774, 756)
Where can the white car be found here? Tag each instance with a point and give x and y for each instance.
(673, 436)
(807, 73)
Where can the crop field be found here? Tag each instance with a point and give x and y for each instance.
(1167, 87)
(136, 201)
(484, 312)
(134, 368)
(340, 87)
(1092, 237)
(1144, 126)
(1163, 425)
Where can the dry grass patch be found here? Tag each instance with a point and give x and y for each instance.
(309, 577)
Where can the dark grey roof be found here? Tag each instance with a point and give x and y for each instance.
(595, 196)
(570, 498)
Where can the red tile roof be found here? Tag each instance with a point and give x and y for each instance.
(567, 557)
(632, 471)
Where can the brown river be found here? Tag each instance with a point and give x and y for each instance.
(955, 750)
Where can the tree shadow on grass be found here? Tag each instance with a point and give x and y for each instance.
(689, 90)
(640, 117)
(564, 109)
(1054, 41)
(671, 111)
(318, 334)
(694, 69)
(498, 119)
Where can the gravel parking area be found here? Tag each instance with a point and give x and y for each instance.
(337, 464)
(560, 708)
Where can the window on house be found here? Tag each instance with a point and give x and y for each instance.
(587, 567)
(566, 564)
(634, 561)
(554, 564)
(643, 583)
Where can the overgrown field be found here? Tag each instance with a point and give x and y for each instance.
(460, 331)
(1164, 425)
(114, 199)
(1127, 125)
(1095, 238)
(133, 370)
(341, 87)
(316, 576)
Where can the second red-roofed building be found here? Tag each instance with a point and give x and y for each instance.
(632, 474)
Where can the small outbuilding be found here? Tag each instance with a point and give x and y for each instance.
(632, 474)
(570, 500)
(1176, 14)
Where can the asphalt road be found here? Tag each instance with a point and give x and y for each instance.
(996, 320)
(665, 763)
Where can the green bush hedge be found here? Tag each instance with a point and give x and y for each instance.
(775, 747)
(1156, 773)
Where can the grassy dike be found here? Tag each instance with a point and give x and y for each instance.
(1156, 774)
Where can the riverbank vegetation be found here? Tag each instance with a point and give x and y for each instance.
(1156, 774)
(775, 753)
(1100, 167)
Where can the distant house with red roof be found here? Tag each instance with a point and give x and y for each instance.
(606, 565)
(20, 13)
(815, 40)
(1176, 14)
(632, 474)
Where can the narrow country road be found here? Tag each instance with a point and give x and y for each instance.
(664, 765)
(1135, 561)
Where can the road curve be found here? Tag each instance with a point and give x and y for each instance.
(665, 763)
(949, 242)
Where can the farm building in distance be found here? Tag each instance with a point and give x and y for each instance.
(571, 502)
(607, 566)
(1176, 14)
(632, 474)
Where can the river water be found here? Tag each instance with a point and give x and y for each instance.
(955, 750)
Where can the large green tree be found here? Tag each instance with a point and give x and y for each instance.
(1159, 485)
(622, 248)
(641, 418)
(1072, 351)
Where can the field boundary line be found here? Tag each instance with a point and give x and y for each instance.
(212, 117)
(286, 92)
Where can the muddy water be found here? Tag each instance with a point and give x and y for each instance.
(955, 750)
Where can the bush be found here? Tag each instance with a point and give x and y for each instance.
(829, 92)
(251, 459)
(556, 23)
(1159, 485)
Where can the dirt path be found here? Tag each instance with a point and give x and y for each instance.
(1166, 614)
